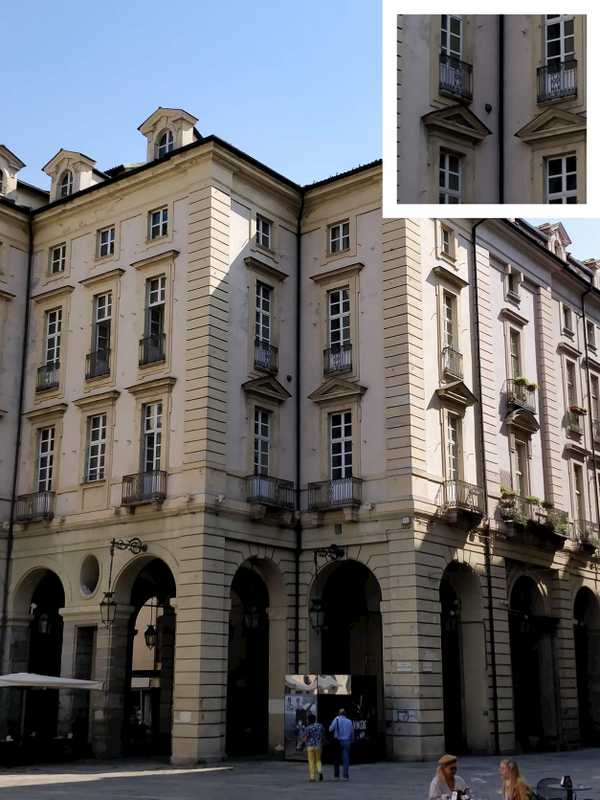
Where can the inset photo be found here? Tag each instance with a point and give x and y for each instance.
(491, 108)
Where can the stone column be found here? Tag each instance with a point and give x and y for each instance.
(166, 637)
(278, 652)
(17, 660)
(564, 664)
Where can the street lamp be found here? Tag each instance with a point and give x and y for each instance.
(150, 636)
(108, 606)
(317, 614)
(108, 609)
(333, 552)
(251, 618)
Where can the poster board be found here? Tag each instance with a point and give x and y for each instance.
(301, 698)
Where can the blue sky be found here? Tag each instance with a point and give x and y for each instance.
(585, 234)
(296, 85)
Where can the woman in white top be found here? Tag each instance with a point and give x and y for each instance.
(446, 780)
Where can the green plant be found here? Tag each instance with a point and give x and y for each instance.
(534, 501)
(532, 386)
(506, 491)
(521, 381)
(547, 504)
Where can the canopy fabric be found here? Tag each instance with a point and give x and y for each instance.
(32, 681)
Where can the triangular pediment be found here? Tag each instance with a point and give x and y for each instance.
(12, 160)
(459, 121)
(456, 393)
(523, 419)
(551, 122)
(336, 389)
(72, 156)
(267, 388)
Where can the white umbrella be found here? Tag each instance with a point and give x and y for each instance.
(29, 680)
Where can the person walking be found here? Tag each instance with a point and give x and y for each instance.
(343, 732)
(314, 733)
(513, 785)
(446, 780)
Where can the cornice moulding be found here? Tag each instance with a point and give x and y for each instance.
(102, 276)
(338, 272)
(262, 266)
(58, 291)
(153, 259)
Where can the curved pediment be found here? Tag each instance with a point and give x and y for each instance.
(523, 419)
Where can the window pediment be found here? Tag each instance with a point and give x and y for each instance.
(337, 389)
(456, 394)
(461, 122)
(53, 294)
(450, 277)
(103, 398)
(550, 123)
(523, 419)
(511, 315)
(166, 255)
(568, 349)
(110, 274)
(48, 413)
(156, 385)
(261, 266)
(267, 388)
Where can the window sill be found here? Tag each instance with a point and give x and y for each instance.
(95, 482)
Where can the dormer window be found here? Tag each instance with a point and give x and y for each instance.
(65, 186)
(165, 143)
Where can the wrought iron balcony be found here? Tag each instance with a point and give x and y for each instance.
(452, 363)
(337, 358)
(456, 77)
(48, 376)
(268, 491)
(337, 493)
(557, 80)
(463, 496)
(574, 422)
(152, 349)
(586, 533)
(266, 356)
(97, 364)
(35, 506)
(520, 394)
(144, 487)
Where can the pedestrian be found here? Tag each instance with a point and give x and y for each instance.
(513, 785)
(343, 732)
(446, 780)
(314, 733)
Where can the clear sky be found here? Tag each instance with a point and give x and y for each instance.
(585, 234)
(296, 85)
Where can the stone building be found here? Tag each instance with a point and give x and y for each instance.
(241, 373)
(491, 108)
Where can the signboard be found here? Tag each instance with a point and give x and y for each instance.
(301, 699)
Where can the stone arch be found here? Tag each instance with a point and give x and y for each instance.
(24, 586)
(586, 631)
(125, 575)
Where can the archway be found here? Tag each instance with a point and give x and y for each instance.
(586, 613)
(532, 656)
(348, 640)
(463, 659)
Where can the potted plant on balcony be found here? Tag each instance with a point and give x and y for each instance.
(521, 380)
(532, 386)
(507, 504)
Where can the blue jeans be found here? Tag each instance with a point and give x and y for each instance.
(342, 754)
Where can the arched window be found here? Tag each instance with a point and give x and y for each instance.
(164, 143)
(65, 185)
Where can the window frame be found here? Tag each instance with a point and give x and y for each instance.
(454, 464)
(262, 441)
(446, 194)
(515, 358)
(346, 444)
(158, 229)
(65, 184)
(166, 147)
(521, 447)
(447, 33)
(342, 335)
(338, 237)
(571, 388)
(564, 55)
(564, 196)
(159, 304)
(95, 449)
(151, 435)
(52, 339)
(263, 314)
(106, 249)
(45, 458)
(61, 260)
(263, 236)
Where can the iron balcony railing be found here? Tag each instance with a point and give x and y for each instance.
(48, 376)
(97, 364)
(31, 507)
(270, 491)
(152, 349)
(464, 496)
(337, 358)
(574, 423)
(456, 77)
(266, 356)
(557, 80)
(335, 493)
(520, 395)
(452, 363)
(586, 532)
(144, 487)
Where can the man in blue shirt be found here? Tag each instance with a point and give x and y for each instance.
(343, 732)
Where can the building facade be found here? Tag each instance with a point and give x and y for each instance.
(320, 442)
(491, 108)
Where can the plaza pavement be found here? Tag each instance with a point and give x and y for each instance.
(256, 780)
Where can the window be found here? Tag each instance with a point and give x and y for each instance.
(560, 38)
(450, 177)
(595, 397)
(155, 306)
(567, 319)
(571, 384)
(515, 353)
(264, 295)
(95, 447)
(454, 448)
(102, 322)
(53, 326)
(521, 468)
(58, 258)
(449, 320)
(513, 284)
(65, 185)
(262, 441)
(338, 322)
(264, 232)
(452, 36)
(339, 237)
(151, 436)
(578, 488)
(164, 144)
(590, 330)
(340, 445)
(447, 242)
(45, 459)
(158, 223)
(561, 179)
(106, 242)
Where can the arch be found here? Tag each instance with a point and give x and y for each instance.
(165, 143)
(24, 588)
(65, 183)
(586, 632)
(126, 575)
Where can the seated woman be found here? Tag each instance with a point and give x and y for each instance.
(513, 785)
(446, 780)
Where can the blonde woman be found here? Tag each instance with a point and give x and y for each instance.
(513, 785)
(446, 780)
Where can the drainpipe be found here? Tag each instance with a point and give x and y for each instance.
(17, 451)
(589, 394)
(501, 108)
(487, 543)
(298, 521)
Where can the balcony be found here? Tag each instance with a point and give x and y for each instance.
(35, 506)
(338, 493)
(266, 356)
(273, 492)
(574, 422)
(586, 534)
(462, 498)
(556, 81)
(521, 394)
(452, 363)
(97, 364)
(532, 515)
(152, 349)
(456, 78)
(144, 487)
(48, 376)
(337, 358)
